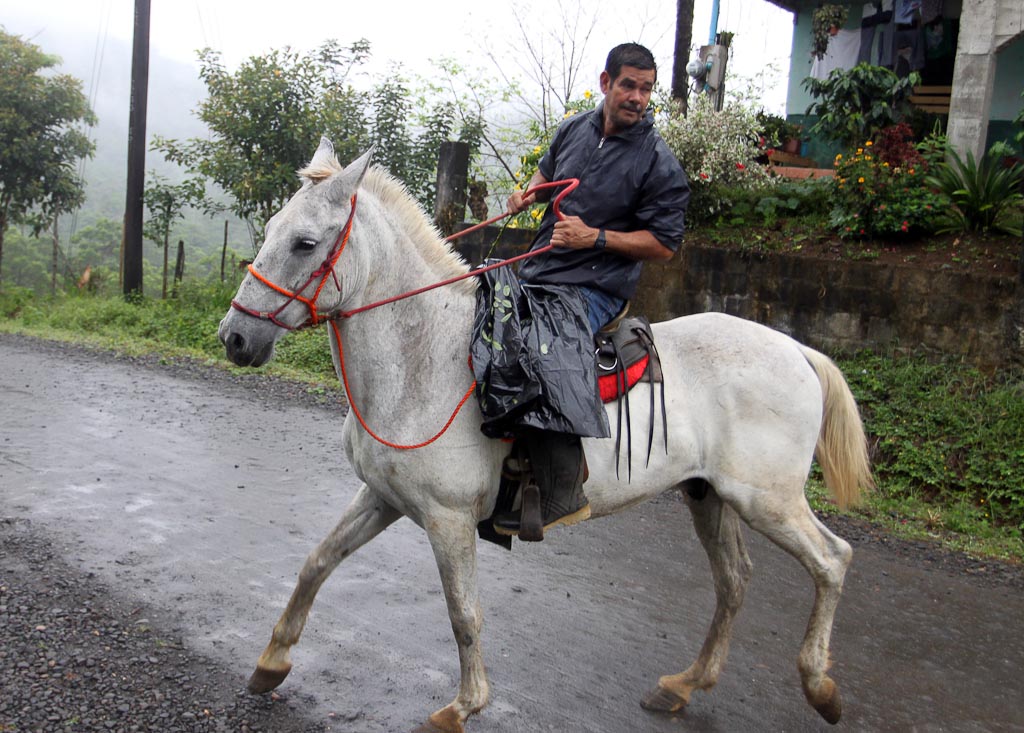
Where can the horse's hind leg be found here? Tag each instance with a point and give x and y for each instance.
(719, 530)
(366, 516)
(453, 539)
(826, 557)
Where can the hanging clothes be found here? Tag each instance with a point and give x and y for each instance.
(931, 10)
(876, 17)
(841, 54)
(938, 39)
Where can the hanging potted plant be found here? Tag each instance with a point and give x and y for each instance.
(826, 21)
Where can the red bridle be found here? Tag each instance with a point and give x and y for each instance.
(326, 268)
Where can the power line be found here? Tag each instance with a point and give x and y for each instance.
(99, 51)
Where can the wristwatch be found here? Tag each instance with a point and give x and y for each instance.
(601, 241)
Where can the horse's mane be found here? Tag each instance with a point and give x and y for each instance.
(394, 195)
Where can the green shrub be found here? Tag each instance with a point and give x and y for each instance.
(852, 105)
(718, 151)
(981, 195)
(880, 190)
(13, 300)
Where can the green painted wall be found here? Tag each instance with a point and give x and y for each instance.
(1006, 96)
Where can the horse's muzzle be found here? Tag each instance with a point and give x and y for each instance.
(244, 349)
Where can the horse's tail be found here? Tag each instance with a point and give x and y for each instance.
(842, 449)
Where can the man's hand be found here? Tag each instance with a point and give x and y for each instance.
(572, 233)
(517, 202)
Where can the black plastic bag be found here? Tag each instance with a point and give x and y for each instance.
(533, 358)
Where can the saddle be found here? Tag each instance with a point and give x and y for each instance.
(625, 354)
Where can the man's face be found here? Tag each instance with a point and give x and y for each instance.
(626, 98)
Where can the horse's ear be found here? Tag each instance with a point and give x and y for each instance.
(354, 171)
(324, 154)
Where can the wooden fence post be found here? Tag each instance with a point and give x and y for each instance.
(179, 268)
(452, 177)
(224, 251)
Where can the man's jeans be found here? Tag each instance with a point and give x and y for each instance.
(601, 307)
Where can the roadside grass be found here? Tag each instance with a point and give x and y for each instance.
(947, 439)
(185, 327)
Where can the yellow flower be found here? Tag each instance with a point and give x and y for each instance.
(860, 151)
(860, 180)
(536, 213)
(536, 150)
(839, 156)
(867, 144)
(588, 94)
(885, 165)
(867, 157)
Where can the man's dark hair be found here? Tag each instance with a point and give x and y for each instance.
(629, 54)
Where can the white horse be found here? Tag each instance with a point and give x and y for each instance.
(748, 409)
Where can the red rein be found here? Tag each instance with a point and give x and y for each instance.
(327, 268)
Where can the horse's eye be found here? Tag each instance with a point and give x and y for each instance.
(305, 245)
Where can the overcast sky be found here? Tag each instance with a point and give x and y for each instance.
(410, 33)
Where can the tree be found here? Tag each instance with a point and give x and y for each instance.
(266, 119)
(166, 203)
(39, 144)
(681, 52)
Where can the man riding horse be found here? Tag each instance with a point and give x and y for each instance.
(629, 208)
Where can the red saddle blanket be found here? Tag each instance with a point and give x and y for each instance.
(611, 384)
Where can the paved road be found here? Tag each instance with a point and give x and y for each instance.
(201, 496)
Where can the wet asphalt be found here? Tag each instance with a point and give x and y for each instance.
(198, 495)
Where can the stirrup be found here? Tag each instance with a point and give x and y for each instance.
(567, 520)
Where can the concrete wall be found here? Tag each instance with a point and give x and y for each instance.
(839, 306)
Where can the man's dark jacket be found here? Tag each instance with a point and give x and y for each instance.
(628, 182)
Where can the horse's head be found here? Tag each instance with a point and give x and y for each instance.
(296, 279)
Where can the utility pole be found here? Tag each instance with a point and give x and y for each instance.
(133, 207)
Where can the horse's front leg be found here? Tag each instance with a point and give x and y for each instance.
(366, 516)
(453, 539)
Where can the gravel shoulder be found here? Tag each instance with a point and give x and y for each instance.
(76, 656)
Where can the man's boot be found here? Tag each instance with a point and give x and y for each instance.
(557, 463)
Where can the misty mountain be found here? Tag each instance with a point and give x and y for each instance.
(174, 92)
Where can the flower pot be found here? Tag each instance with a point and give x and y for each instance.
(791, 146)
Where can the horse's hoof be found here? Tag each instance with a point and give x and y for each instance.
(832, 708)
(427, 727)
(445, 720)
(661, 700)
(265, 680)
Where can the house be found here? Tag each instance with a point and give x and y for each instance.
(971, 57)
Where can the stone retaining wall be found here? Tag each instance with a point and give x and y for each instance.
(838, 306)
